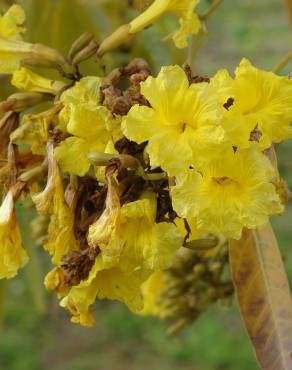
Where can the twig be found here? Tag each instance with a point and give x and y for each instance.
(283, 63)
(211, 9)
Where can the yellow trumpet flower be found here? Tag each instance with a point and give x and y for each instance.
(146, 247)
(228, 194)
(189, 23)
(51, 201)
(26, 80)
(91, 125)
(182, 124)
(12, 254)
(12, 47)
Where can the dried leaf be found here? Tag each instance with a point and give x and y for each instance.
(288, 4)
(264, 296)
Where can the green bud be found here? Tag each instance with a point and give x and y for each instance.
(216, 268)
(49, 55)
(85, 53)
(199, 269)
(191, 278)
(201, 244)
(80, 44)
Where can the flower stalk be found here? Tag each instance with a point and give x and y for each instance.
(215, 4)
(282, 64)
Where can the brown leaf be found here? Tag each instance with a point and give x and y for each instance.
(264, 297)
(288, 4)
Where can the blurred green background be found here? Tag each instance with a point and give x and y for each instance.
(38, 336)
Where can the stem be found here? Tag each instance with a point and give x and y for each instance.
(211, 9)
(2, 302)
(100, 159)
(283, 63)
(150, 176)
(34, 172)
(124, 161)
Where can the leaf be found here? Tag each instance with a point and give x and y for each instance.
(288, 4)
(263, 295)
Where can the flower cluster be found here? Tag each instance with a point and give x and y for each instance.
(130, 168)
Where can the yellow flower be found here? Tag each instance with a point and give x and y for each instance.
(13, 49)
(87, 90)
(184, 9)
(238, 129)
(265, 100)
(26, 80)
(10, 23)
(221, 84)
(147, 247)
(55, 282)
(91, 125)
(51, 202)
(12, 254)
(105, 283)
(82, 312)
(151, 290)
(233, 192)
(236, 126)
(33, 132)
(106, 233)
(182, 125)
(194, 232)
(188, 20)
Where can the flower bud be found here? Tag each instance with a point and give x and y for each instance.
(199, 269)
(80, 44)
(21, 101)
(31, 62)
(85, 53)
(40, 51)
(121, 35)
(26, 80)
(201, 244)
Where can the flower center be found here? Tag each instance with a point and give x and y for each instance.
(223, 180)
(183, 126)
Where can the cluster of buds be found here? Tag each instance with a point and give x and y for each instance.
(197, 280)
